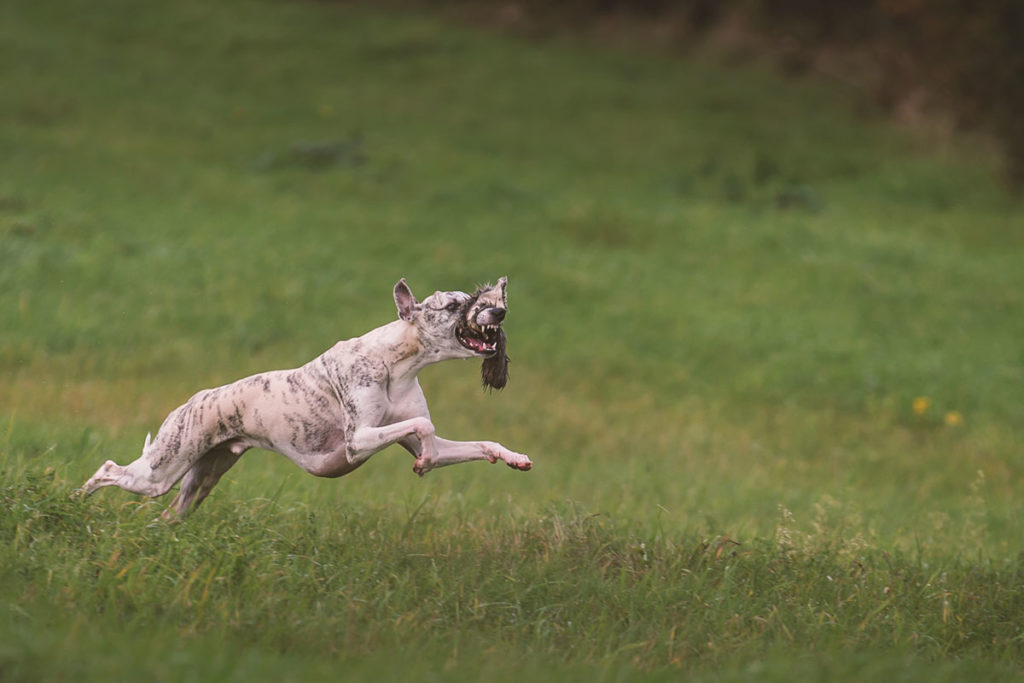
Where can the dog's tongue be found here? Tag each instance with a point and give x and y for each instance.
(479, 344)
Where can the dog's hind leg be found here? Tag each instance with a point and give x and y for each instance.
(137, 477)
(152, 474)
(200, 480)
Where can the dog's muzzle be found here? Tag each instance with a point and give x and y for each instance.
(482, 332)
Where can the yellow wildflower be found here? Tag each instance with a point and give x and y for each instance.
(953, 419)
(921, 405)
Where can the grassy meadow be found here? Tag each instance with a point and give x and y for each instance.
(766, 356)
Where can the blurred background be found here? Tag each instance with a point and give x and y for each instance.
(766, 275)
(950, 66)
(758, 253)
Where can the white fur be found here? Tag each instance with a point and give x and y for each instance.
(328, 416)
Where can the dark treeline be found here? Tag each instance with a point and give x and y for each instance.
(961, 60)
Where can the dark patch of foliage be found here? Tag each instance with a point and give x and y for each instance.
(965, 59)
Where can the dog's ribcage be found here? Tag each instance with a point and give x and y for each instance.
(308, 412)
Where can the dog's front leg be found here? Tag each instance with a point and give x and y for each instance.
(455, 452)
(368, 440)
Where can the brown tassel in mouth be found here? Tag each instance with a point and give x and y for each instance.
(494, 370)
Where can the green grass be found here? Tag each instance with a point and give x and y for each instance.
(726, 291)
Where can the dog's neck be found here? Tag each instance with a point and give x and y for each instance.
(401, 350)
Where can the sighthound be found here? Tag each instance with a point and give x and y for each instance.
(330, 415)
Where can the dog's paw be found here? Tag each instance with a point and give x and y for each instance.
(518, 461)
(422, 466)
(170, 516)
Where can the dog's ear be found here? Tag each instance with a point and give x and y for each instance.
(502, 284)
(494, 371)
(405, 301)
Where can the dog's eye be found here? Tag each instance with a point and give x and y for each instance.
(452, 307)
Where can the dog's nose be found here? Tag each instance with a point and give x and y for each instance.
(490, 316)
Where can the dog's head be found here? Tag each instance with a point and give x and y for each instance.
(461, 325)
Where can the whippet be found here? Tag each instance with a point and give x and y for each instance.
(330, 415)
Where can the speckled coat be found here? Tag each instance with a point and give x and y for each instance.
(331, 414)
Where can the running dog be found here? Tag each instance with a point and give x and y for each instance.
(330, 415)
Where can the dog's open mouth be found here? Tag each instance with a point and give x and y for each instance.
(482, 339)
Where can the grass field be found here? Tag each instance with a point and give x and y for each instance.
(766, 357)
